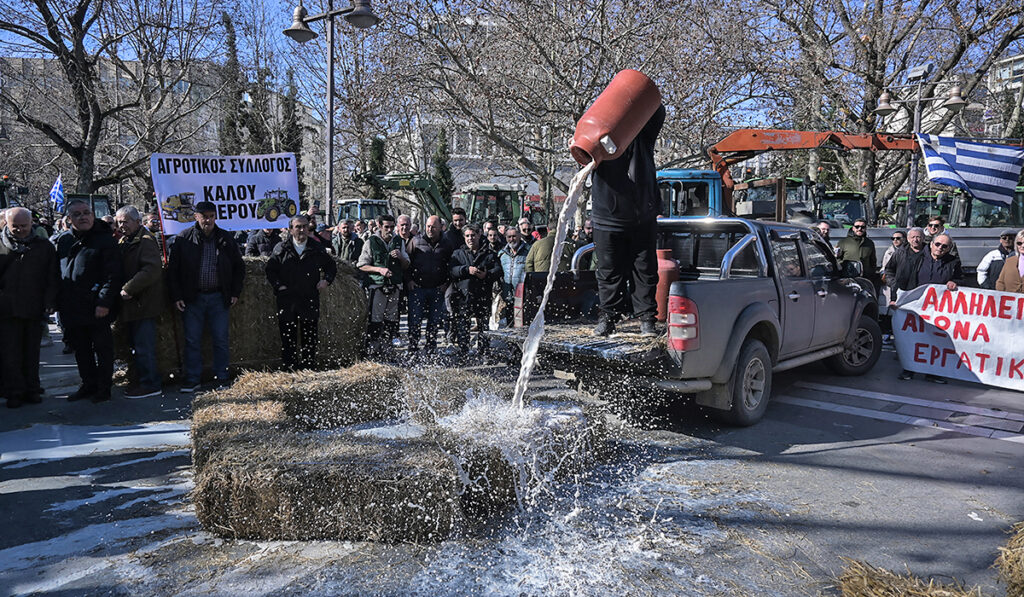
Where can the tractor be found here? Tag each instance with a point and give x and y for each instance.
(275, 203)
(180, 207)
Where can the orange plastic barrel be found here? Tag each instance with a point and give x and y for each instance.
(668, 272)
(615, 118)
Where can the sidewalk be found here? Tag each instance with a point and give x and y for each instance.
(59, 376)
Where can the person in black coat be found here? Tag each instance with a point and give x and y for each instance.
(298, 271)
(626, 203)
(204, 278)
(28, 290)
(262, 242)
(429, 260)
(474, 270)
(90, 283)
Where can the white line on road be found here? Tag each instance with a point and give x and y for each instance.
(953, 406)
(904, 419)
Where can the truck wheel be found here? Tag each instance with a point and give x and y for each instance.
(751, 385)
(273, 213)
(861, 354)
(289, 210)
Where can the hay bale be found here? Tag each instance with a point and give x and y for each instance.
(255, 339)
(343, 486)
(292, 455)
(860, 579)
(1011, 561)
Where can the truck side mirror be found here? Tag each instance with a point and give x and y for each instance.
(852, 269)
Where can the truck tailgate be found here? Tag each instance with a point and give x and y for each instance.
(578, 340)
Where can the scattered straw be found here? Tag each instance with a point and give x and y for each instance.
(1011, 562)
(860, 579)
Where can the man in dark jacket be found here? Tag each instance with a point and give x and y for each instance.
(454, 233)
(262, 242)
(474, 270)
(933, 265)
(901, 271)
(28, 290)
(858, 247)
(626, 202)
(299, 271)
(428, 272)
(90, 270)
(347, 244)
(142, 299)
(204, 277)
(384, 260)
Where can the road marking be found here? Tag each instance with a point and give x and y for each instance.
(904, 419)
(954, 406)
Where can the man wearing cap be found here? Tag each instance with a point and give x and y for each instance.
(992, 263)
(204, 277)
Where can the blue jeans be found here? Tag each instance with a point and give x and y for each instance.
(143, 333)
(208, 310)
(429, 301)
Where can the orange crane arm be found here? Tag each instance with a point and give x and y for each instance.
(744, 144)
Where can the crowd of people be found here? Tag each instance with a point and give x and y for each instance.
(920, 256)
(92, 272)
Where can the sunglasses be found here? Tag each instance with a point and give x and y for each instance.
(1020, 243)
(934, 225)
(859, 227)
(898, 238)
(940, 245)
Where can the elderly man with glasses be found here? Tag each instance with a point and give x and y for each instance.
(937, 226)
(935, 265)
(858, 247)
(992, 263)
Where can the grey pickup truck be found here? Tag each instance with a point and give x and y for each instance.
(753, 298)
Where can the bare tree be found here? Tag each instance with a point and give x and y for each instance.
(108, 82)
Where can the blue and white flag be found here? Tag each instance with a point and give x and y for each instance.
(57, 196)
(987, 171)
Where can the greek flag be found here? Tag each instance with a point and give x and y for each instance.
(57, 196)
(987, 171)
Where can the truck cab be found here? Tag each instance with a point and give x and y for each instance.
(690, 192)
(362, 209)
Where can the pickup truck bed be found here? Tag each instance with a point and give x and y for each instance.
(576, 339)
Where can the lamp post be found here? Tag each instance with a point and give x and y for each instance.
(360, 15)
(953, 101)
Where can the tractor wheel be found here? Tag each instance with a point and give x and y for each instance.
(290, 209)
(273, 213)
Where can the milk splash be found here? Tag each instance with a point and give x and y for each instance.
(532, 343)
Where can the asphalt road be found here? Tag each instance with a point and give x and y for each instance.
(898, 474)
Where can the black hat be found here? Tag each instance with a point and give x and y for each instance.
(205, 207)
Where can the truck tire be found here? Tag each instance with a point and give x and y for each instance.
(751, 385)
(861, 354)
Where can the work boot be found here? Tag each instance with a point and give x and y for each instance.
(905, 375)
(81, 393)
(605, 327)
(648, 328)
(14, 403)
(101, 395)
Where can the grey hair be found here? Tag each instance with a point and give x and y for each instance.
(130, 212)
(10, 213)
(915, 229)
(298, 217)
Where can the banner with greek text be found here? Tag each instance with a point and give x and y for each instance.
(968, 333)
(250, 191)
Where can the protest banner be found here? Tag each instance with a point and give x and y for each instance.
(968, 333)
(249, 191)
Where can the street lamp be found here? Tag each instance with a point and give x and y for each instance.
(360, 15)
(953, 101)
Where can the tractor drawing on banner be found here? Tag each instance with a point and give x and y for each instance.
(275, 203)
(179, 208)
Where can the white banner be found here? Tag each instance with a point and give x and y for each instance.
(250, 191)
(969, 334)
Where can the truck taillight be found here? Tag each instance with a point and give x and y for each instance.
(682, 324)
(517, 306)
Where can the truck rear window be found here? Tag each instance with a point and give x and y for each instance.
(700, 253)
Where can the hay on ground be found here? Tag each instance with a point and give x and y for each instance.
(304, 455)
(255, 338)
(1011, 561)
(860, 579)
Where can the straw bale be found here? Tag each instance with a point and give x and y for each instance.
(860, 579)
(1011, 561)
(305, 455)
(340, 487)
(255, 339)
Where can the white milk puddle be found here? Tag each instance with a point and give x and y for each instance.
(48, 442)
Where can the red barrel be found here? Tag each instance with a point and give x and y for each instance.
(668, 272)
(615, 118)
